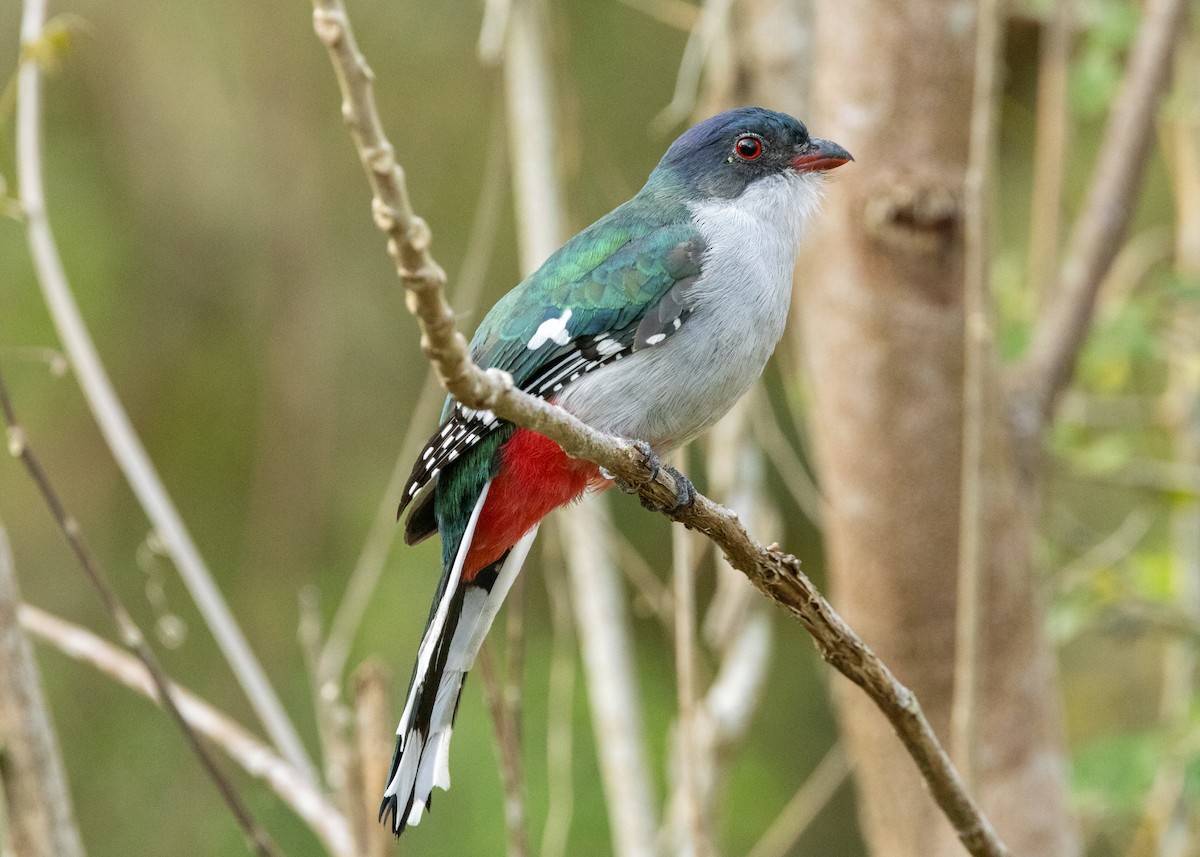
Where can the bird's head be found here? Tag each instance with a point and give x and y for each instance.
(724, 155)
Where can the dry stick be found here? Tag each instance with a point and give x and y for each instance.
(804, 806)
(369, 568)
(33, 785)
(114, 423)
(560, 707)
(606, 644)
(603, 628)
(977, 353)
(788, 465)
(331, 717)
(1094, 243)
(1049, 146)
(508, 753)
(775, 573)
(373, 725)
(690, 834)
(131, 636)
(1164, 822)
(259, 760)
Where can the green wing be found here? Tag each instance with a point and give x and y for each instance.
(609, 277)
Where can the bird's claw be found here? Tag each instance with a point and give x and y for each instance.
(653, 465)
(685, 494)
(685, 491)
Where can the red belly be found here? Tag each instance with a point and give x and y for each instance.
(535, 478)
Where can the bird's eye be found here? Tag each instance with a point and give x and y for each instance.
(748, 148)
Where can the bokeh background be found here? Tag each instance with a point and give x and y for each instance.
(214, 221)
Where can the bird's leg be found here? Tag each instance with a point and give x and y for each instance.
(685, 491)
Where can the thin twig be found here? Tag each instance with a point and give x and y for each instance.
(1061, 329)
(373, 730)
(331, 716)
(508, 752)
(33, 785)
(788, 464)
(1165, 829)
(541, 218)
(560, 707)
(776, 574)
(1050, 146)
(804, 806)
(977, 371)
(691, 834)
(257, 759)
(606, 643)
(131, 636)
(371, 560)
(703, 35)
(114, 423)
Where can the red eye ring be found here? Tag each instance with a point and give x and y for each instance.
(748, 147)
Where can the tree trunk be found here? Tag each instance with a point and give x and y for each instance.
(883, 332)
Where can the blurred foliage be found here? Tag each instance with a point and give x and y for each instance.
(214, 221)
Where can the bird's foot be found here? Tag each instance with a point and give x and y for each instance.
(653, 465)
(685, 494)
(685, 491)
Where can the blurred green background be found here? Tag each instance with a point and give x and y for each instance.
(214, 221)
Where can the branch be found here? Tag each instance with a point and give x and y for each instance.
(41, 821)
(254, 757)
(114, 423)
(1059, 335)
(772, 571)
(978, 348)
(130, 634)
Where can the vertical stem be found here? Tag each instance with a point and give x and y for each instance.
(41, 821)
(606, 643)
(508, 752)
(977, 345)
(1164, 826)
(595, 585)
(560, 708)
(373, 724)
(1049, 148)
(690, 832)
(114, 423)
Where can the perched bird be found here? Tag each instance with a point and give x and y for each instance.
(649, 325)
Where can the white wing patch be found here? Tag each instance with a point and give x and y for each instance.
(551, 330)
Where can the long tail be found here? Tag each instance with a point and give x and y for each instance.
(457, 626)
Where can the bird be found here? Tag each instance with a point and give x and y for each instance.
(649, 325)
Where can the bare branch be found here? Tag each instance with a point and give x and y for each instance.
(130, 634)
(373, 723)
(607, 647)
(978, 348)
(560, 709)
(254, 757)
(114, 423)
(690, 833)
(775, 573)
(41, 820)
(508, 752)
(1060, 332)
(371, 560)
(1050, 145)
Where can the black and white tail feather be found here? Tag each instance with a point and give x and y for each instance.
(457, 626)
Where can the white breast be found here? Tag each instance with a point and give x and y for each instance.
(670, 393)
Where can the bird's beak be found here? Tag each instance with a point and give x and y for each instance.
(819, 155)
